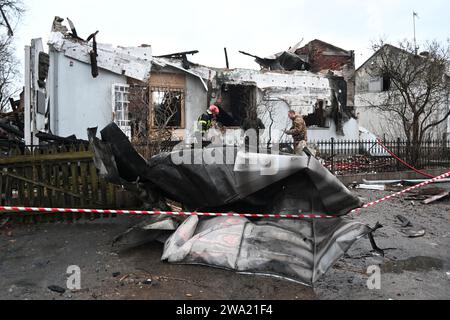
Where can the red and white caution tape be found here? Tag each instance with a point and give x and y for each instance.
(166, 213)
(212, 214)
(423, 184)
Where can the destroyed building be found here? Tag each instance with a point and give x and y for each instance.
(325, 58)
(80, 83)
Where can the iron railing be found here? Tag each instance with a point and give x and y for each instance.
(346, 157)
(343, 157)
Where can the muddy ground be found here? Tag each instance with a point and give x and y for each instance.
(34, 257)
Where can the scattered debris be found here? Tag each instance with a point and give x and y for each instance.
(148, 282)
(414, 233)
(425, 195)
(436, 198)
(415, 198)
(403, 182)
(124, 277)
(407, 230)
(405, 222)
(371, 187)
(57, 289)
(375, 249)
(430, 191)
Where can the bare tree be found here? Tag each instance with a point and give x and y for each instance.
(417, 89)
(163, 116)
(267, 111)
(11, 11)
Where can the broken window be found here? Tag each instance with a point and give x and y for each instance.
(167, 107)
(120, 108)
(380, 84)
(238, 104)
(318, 118)
(44, 65)
(386, 82)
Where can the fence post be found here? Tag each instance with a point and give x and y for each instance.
(332, 155)
(398, 153)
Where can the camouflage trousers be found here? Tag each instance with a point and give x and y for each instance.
(299, 146)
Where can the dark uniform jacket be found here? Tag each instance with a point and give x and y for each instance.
(205, 122)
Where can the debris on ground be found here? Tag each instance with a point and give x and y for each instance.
(415, 198)
(424, 195)
(297, 250)
(410, 182)
(407, 228)
(148, 282)
(57, 289)
(436, 197)
(371, 187)
(410, 233)
(405, 222)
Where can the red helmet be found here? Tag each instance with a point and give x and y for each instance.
(214, 109)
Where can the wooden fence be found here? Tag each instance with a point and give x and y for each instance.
(57, 176)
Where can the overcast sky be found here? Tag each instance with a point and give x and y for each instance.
(261, 27)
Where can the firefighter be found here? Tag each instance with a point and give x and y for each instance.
(298, 132)
(207, 120)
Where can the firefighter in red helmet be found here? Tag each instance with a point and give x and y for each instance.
(206, 120)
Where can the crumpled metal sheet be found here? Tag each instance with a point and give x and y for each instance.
(296, 250)
(249, 183)
(299, 184)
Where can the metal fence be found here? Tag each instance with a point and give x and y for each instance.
(346, 157)
(343, 157)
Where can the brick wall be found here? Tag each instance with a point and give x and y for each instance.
(324, 57)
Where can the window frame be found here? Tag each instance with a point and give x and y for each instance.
(169, 81)
(124, 123)
(168, 87)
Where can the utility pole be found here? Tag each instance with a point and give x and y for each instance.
(415, 15)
